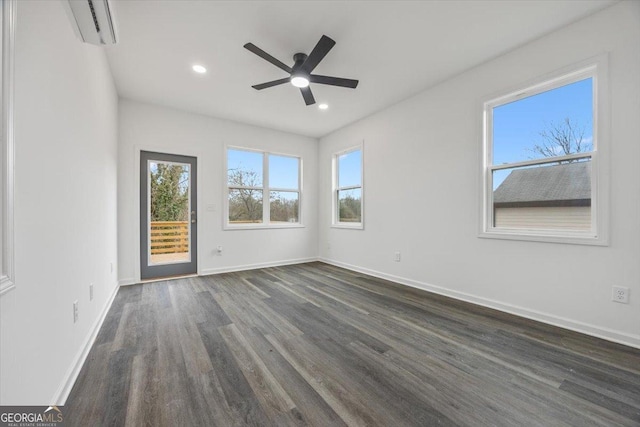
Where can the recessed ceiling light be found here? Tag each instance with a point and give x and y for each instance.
(323, 106)
(299, 81)
(199, 69)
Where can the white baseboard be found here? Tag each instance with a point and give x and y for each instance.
(230, 269)
(127, 282)
(61, 395)
(630, 340)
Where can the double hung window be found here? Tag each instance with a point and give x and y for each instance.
(348, 189)
(541, 161)
(263, 189)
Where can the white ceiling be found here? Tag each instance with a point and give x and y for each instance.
(396, 49)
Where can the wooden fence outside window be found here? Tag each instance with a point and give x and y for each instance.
(169, 237)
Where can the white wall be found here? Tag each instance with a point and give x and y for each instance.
(147, 127)
(422, 168)
(65, 204)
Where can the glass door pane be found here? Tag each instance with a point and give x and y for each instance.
(168, 220)
(169, 216)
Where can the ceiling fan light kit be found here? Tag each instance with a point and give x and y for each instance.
(300, 73)
(299, 81)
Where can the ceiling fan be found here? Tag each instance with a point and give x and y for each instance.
(300, 73)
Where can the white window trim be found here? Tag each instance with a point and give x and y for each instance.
(7, 147)
(335, 223)
(597, 69)
(266, 214)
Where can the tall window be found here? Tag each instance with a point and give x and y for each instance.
(348, 188)
(540, 154)
(263, 189)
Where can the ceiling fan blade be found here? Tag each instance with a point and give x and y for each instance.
(307, 95)
(264, 55)
(333, 81)
(271, 84)
(320, 51)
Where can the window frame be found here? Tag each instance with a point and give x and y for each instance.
(7, 146)
(596, 69)
(266, 192)
(335, 205)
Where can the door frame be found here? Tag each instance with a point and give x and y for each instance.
(136, 204)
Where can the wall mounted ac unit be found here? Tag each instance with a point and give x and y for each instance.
(92, 20)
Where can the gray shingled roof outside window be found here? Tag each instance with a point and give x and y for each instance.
(557, 185)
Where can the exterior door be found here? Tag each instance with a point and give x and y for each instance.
(168, 221)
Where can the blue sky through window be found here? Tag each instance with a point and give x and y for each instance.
(247, 161)
(517, 125)
(283, 170)
(349, 169)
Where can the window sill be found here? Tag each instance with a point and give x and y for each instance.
(262, 226)
(545, 237)
(358, 226)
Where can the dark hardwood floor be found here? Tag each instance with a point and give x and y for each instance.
(313, 344)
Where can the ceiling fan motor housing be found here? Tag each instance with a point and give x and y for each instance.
(299, 59)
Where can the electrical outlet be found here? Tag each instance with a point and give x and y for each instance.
(90, 291)
(75, 311)
(397, 256)
(219, 250)
(620, 294)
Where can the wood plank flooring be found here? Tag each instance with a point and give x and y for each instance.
(314, 344)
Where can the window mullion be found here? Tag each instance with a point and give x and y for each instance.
(542, 161)
(595, 199)
(336, 195)
(241, 187)
(350, 187)
(266, 193)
